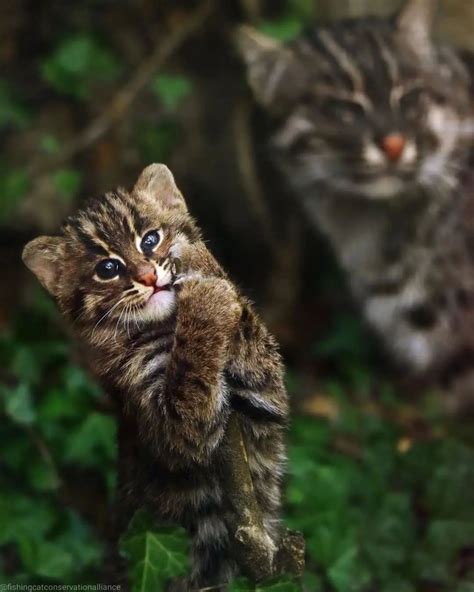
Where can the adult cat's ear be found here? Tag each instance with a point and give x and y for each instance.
(157, 181)
(42, 256)
(415, 24)
(273, 71)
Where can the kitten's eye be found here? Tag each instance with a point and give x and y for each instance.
(346, 111)
(108, 269)
(150, 241)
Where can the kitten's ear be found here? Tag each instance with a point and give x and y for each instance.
(273, 71)
(43, 256)
(157, 181)
(415, 24)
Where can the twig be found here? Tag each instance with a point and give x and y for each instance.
(44, 453)
(124, 98)
(252, 10)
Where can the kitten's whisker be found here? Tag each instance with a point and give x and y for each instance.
(117, 323)
(102, 318)
(127, 319)
(136, 311)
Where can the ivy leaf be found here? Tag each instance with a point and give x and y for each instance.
(19, 404)
(79, 540)
(78, 64)
(12, 112)
(157, 142)
(50, 144)
(93, 442)
(67, 182)
(13, 186)
(42, 476)
(25, 364)
(347, 574)
(171, 90)
(284, 584)
(53, 561)
(302, 9)
(283, 30)
(154, 555)
(56, 406)
(23, 517)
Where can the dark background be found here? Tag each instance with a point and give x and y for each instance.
(380, 480)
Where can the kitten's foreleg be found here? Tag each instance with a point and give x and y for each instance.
(194, 398)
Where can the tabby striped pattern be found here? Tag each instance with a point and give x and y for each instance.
(178, 349)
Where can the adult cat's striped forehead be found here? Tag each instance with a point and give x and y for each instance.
(364, 61)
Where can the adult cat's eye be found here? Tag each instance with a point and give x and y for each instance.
(411, 101)
(108, 269)
(343, 110)
(150, 241)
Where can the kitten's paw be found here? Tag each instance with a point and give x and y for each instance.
(213, 300)
(176, 267)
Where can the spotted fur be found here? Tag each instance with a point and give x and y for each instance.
(338, 97)
(177, 368)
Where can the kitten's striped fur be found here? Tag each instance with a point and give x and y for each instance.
(373, 129)
(177, 370)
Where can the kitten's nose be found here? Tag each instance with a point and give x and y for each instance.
(393, 146)
(147, 276)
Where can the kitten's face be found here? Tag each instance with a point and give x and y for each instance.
(364, 109)
(115, 265)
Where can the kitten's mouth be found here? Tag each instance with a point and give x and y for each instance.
(165, 288)
(157, 295)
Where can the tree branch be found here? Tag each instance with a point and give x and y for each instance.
(125, 97)
(255, 552)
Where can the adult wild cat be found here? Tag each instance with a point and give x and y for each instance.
(176, 346)
(373, 129)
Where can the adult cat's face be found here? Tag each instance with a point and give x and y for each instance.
(115, 263)
(366, 107)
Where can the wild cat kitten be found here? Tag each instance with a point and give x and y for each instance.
(373, 129)
(179, 349)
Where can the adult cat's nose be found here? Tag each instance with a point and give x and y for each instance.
(147, 275)
(393, 146)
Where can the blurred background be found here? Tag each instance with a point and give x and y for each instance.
(381, 483)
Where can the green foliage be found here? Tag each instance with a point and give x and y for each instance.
(361, 517)
(14, 183)
(284, 584)
(79, 64)
(375, 518)
(297, 15)
(171, 90)
(12, 112)
(156, 142)
(283, 30)
(49, 144)
(50, 544)
(48, 427)
(67, 182)
(155, 555)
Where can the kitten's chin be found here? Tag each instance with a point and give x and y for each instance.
(160, 306)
